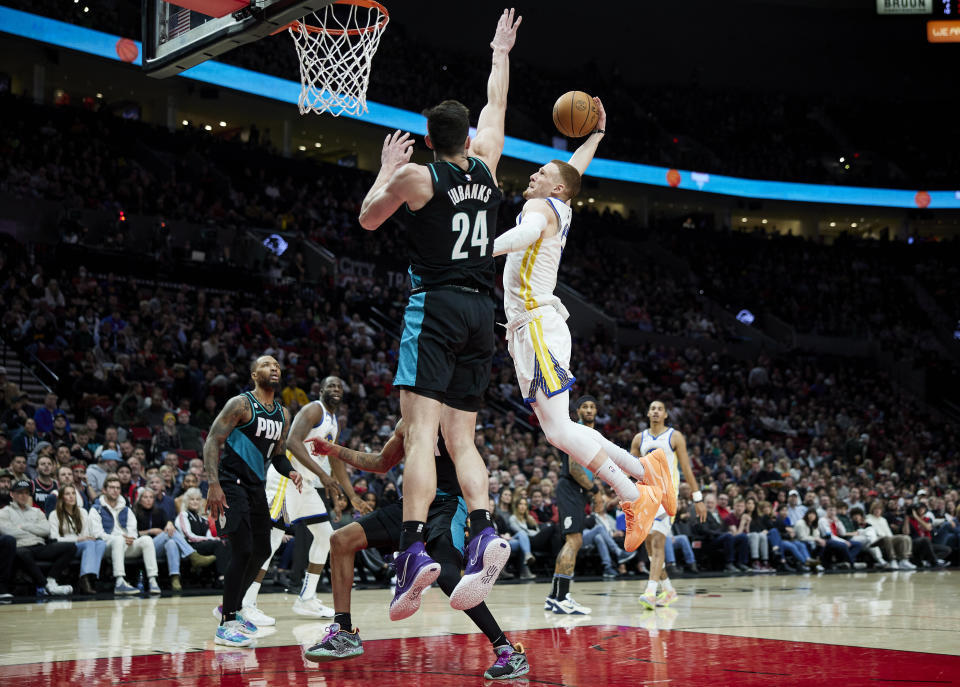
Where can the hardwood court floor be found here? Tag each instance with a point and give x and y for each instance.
(861, 628)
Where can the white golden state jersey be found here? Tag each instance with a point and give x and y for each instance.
(327, 429)
(530, 276)
(648, 443)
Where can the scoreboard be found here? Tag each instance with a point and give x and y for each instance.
(932, 9)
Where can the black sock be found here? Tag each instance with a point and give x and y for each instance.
(227, 617)
(479, 521)
(553, 589)
(563, 587)
(411, 532)
(501, 641)
(344, 621)
(483, 619)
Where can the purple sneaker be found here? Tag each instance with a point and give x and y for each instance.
(486, 555)
(415, 571)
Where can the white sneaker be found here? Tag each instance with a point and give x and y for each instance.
(312, 607)
(58, 589)
(570, 607)
(258, 617)
(907, 565)
(859, 565)
(154, 586)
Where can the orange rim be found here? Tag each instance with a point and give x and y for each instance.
(366, 4)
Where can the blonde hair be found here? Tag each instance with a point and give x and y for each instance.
(186, 496)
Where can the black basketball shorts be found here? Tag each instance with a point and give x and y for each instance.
(571, 506)
(246, 503)
(446, 349)
(446, 527)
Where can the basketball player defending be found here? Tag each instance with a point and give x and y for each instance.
(316, 419)
(252, 431)
(674, 445)
(539, 341)
(447, 345)
(380, 529)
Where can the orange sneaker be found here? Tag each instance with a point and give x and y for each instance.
(656, 472)
(639, 516)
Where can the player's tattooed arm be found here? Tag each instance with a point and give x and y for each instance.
(235, 412)
(580, 476)
(390, 455)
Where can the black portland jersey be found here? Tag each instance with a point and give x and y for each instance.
(450, 240)
(249, 447)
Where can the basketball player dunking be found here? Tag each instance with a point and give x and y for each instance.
(447, 346)
(381, 529)
(252, 431)
(674, 445)
(316, 419)
(539, 341)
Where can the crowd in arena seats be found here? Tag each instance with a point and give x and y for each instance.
(688, 126)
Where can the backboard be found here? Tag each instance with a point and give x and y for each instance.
(182, 34)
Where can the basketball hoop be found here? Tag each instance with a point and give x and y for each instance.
(336, 45)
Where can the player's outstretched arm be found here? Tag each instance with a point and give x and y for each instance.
(395, 183)
(236, 411)
(390, 455)
(680, 446)
(583, 156)
(536, 222)
(488, 143)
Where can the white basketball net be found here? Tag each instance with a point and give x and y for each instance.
(336, 45)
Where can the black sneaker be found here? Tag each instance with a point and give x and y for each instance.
(335, 644)
(511, 662)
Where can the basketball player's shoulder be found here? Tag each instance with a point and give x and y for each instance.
(542, 206)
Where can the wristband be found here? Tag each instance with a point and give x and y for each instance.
(599, 131)
(697, 496)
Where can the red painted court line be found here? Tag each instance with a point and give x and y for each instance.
(585, 656)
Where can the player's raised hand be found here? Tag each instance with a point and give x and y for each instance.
(397, 150)
(602, 120)
(506, 34)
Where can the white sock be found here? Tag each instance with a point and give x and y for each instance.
(617, 478)
(651, 588)
(250, 598)
(622, 458)
(309, 589)
(666, 585)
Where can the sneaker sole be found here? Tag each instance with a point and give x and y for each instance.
(560, 610)
(473, 589)
(227, 642)
(326, 658)
(310, 614)
(124, 593)
(510, 676)
(408, 603)
(647, 605)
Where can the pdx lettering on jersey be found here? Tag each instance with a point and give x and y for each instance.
(249, 447)
(450, 240)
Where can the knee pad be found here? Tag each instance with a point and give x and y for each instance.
(320, 548)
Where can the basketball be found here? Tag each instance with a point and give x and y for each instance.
(127, 50)
(575, 114)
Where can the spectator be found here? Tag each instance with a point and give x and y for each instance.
(44, 485)
(44, 415)
(717, 538)
(6, 480)
(527, 534)
(26, 439)
(114, 522)
(135, 463)
(18, 468)
(795, 509)
(6, 452)
(195, 527)
(190, 439)
(864, 533)
(166, 439)
(756, 529)
(31, 529)
(738, 524)
(163, 501)
(541, 509)
(98, 472)
(128, 490)
(69, 522)
(919, 526)
(791, 544)
(153, 522)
